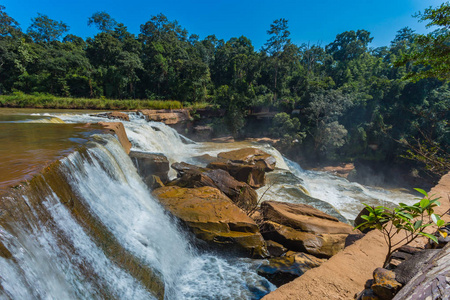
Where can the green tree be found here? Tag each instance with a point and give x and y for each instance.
(102, 21)
(275, 47)
(433, 49)
(45, 30)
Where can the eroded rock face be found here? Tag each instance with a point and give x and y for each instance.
(114, 115)
(168, 117)
(282, 270)
(250, 156)
(149, 164)
(320, 245)
(119, 130)
(191, 176)
(212, 217)
(303, 217)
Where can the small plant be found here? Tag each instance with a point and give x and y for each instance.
(403, 224)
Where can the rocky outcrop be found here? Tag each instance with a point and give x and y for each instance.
(212, 217)
(320, 245)
(282, 270)
(344, 275)
(250, 156)
(119, 130)
(114, 115)
(431, 281)
(191, 176)
(168, 117)
(149, 165)
(301, 227)
(250, 174)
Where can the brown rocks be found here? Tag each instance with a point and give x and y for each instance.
(149, 164)
(303, 217)
(168, 117)
(119, 130)
(301, 227)
(320, 245)
(282, 270)
(250, 174)
(114, 115)
(213, 218)
(250, 156)
(191, 176)
(384, 284)
(275, 249)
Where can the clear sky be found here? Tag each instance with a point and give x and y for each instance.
(315, 21)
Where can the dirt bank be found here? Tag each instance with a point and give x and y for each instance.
(344, 274)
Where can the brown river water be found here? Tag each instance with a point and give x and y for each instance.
(26, 147)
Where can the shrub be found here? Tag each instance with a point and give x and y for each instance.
(410, 220)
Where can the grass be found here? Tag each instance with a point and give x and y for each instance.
(41, 100)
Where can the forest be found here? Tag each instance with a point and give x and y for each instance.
(341, 101)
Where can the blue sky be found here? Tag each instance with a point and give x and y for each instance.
(315, 21)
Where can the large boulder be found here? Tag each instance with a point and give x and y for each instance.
(303, 217)
(253, 175)
(282, 270)
(320, 245)
(301, 227)
(250, 156)
(214, 218)
(149, 165)
(191, 176)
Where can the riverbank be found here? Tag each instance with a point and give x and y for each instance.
(21, 100)
(345, 274)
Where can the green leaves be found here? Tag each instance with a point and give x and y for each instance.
(410, 219)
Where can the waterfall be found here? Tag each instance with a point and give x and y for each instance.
(65, 250)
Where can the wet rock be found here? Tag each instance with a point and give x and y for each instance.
(320, 245)
(114, 115)
(384, 284)
(282, 270)
(250, 174)
(168, 117)
(4, 252)
(303, 217)
(119, 130)
(155, 183)
(275, 249)
(149, 164)
(250, 156)
(214, 218)
(191, 176)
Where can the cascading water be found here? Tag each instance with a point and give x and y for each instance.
(50, 258)
(117, 237)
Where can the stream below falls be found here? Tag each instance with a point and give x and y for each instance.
(90, 229)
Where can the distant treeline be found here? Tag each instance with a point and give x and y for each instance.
(349, 100)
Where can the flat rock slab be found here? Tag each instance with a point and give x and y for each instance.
(303, 217)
